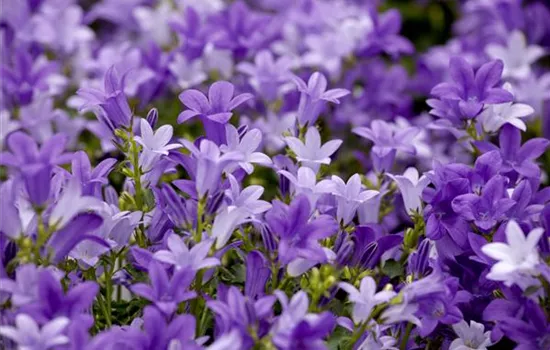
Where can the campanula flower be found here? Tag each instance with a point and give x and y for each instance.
(155, 144)
(311, 153)
(246, 145)
(179, 255)
(305, 182)
(28, 335)
(495, 116)
(472, 336)
(365, 299)
(411, 186)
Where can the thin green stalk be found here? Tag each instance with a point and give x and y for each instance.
(405, 338)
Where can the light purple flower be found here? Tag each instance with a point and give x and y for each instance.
(516, 55)
(28, 335)
(311, 153)
(248, 198)
(387, 138)
(349, 196)
(154, 22)
(315, 96)
(471, 336)
(7, 125)
(411, 187)
(246, 145)
(305, 182)
(24, 289)
(154, 144)
(179, 255)
(365, 299)
(226, 222)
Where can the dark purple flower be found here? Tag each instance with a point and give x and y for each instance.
(531, 332)
(487, 208)
(165, 292)
(298, 236)
(473, 90)
(516, 157)
(114, 110)
(257, 274)
(215, 111)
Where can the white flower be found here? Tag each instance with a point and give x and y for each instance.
(349, 196)
(411, 187)
(365, 299)
(154, 144)
(516, 55)
(154, 22)
(311, 154)
(519, 256)
(225, 223)
(187, 73)
(495, 116)
(28, 335)
(470, 337)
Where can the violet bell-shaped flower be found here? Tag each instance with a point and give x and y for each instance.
(311, 153)
(179, 255)
(305, 182)
(473, 91)
(115, 111)
(214, 111)
(314, 96)
(28, 335)
(246, 145)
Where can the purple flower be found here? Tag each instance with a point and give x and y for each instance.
(311, 153)
(235, 311)
(487, 209)
(314, 97)
(298, 237)
(165, 292)
(28, 335)
(365, 299)
(155, 144)
(179, 255)
(24, 289)
(91, 180)
(114, 110)
(269, 77)
(471, 336)
(246, 145)
(214, 111)
(516, 157)
(411, 186)
(473, 90)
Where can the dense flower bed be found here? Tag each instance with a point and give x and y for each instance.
(288, 174)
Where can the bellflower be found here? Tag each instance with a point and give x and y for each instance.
(28, 335)
(516, 55)
(114, 110)
(517, 157)
(487, 209)
(518, 257)
(471, 90)
(365, 299)
(495, 116)
(91, 180)
(245, 145)
(226, 222)
(248, 198)
(154, 22)
(387, 141)
(179, 255)
(349, 196)
(411, 186)
(314, 96)
(7, 126)
(214, 111)
(471, 336)
(311, 153)
(165, 292)
(24, 289)
(305, 182)
(187, 73)
(270, 77)
(210, 164)
(155, 144)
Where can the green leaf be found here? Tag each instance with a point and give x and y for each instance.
(393, 269)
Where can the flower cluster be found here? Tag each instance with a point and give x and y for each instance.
(288, 174)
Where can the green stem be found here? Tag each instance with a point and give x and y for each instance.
(405, 338)
(200, 220)
(357, 334)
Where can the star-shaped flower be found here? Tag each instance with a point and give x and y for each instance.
(311, 153)
(155, 144)
(495, 116)
(179, 255)
(365, 299)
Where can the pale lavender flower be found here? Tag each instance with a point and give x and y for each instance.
(315, 96)
(61, 28)
(305, 182)
(210, 164)
(248, 198)
(516, 55)
(365, 299)
(517, 258)
(270, 77)
(349, 196)
(7, 125)
(246, 146)
(179, 255)
(154, 22)
(470, 337)
(187, 73)
(28, 335)
(495, 116)
(405, 311)
(24, 289)
(411, 186)
(154, 144)
(70, 203)
(226, 222)
(311, 153)
(534, 91)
